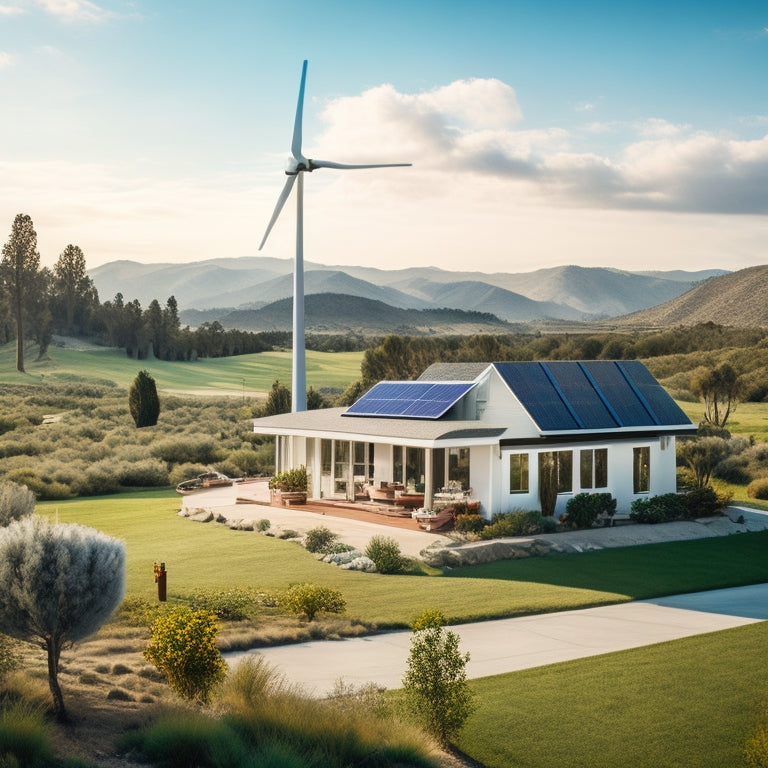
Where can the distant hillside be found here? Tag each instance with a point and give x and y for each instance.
(338, 313)
(563, 293)
(737, 299)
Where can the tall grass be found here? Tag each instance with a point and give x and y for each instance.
(260, 720)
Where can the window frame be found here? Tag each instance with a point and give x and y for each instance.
(522, 473)
(641, 469)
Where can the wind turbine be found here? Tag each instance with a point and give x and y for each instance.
(297, 166)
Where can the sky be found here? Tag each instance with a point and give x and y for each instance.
(618, 134)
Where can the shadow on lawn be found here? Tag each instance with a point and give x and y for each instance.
(639, 572)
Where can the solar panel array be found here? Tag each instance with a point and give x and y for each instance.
(409, 399)
(567, 396)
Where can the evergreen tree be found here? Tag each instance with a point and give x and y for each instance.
(18, 274)
(74, 292)
(143, 400)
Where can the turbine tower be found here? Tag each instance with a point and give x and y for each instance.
(297, 166)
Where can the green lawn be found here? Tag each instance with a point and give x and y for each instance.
(222, 375)
(686, 703)
(747, 419)
(210, 555)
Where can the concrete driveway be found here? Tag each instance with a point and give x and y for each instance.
(506, 645)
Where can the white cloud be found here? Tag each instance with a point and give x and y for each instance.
(453, 130)
(74, 10)
(6, 60)
(10, 10)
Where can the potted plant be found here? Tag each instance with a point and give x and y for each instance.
(289, 487)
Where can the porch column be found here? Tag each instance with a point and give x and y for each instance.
(428, 478)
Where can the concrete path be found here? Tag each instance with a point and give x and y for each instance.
(506, 645)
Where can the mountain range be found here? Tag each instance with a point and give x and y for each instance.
(238, 292)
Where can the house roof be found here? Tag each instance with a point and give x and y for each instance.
(564, 400)
(329, 421)
(565, 396)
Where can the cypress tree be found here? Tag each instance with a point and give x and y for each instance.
(143, 400)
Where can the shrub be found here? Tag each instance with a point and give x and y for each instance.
(233, 604)
(658, 509)
(185, 471)
(704, 502)
(386, 555)
(16, 501)
(188, 449)
(184, 739)
(263, 525)
(469, 523)
(143, 401)
(320, 539)
(435, 683)
(756, 748)
(148, 473)
(758, 489)
(310, 599)
(432, 618)
(183, 647)
(246, 460)
(583, 509)
(515, 524)
(291, 481)
(25, 737)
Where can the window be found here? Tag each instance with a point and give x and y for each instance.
(594, 468)
(564, 471)
(458, 466)
(518, 473)
(641, 469)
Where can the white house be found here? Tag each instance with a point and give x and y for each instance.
(605, 426)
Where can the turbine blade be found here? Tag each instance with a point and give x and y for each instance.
(296, 143)
(279, 207)
(345, 166)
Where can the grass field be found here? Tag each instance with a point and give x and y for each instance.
(249, 375)
(690, 702)
(747, 419)
(210, 555)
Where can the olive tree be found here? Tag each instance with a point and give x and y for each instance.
(720, 388)
(58, 584)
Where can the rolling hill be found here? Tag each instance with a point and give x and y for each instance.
(340, 313)
(738, 299)
(566, 293)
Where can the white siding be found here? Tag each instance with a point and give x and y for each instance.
(663, 476)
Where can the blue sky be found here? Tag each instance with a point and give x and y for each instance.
(632, 135)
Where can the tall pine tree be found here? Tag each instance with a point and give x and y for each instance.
(18, 273)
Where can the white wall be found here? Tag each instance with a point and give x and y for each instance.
(663, 476)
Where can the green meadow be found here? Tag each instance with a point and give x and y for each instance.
(251, 375)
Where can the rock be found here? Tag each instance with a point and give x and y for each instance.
(201, 515)
(477, 552)
(361, 563)
(342, 558)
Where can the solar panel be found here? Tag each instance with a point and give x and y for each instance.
(409, 399)
(538, 395)
(579, 391)
(666, 410)
(562, 396)
(623, 397)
